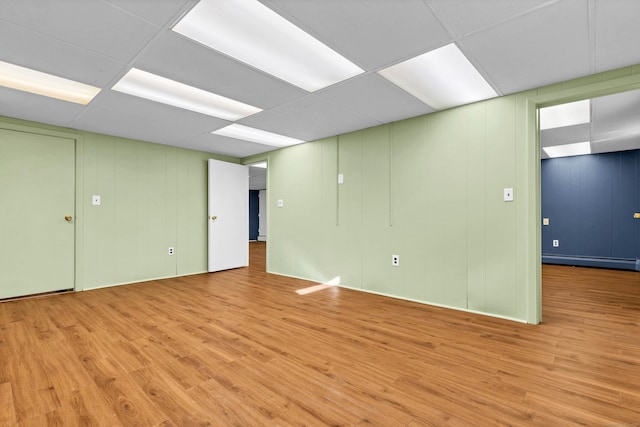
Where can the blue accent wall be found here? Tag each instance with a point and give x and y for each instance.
(253, 215)
(590, 202)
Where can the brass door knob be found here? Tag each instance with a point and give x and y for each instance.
(636, 215)
(68, 218)
(214, 217)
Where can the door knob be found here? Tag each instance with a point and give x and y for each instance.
(636, 215)
(68, 218)
(214, 217)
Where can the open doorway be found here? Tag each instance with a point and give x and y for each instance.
(590, 186)
(590, 182)
(258, 210)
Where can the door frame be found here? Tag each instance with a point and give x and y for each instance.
(594, 86)
(78, 222)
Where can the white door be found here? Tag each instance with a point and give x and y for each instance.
(37, 205)
(228, 215)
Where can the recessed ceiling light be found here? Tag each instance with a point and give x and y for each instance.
(573, 113)
(442, 78)
(28, 80)
(160, 89)
(250, 32)
(566, 150)
(256, 135)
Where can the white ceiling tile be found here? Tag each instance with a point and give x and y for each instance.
(227, 146)
(373, 96)
(159, 12)
(543, 47)
(565, 135)
(616, 117)
(52, 56)
(196, 65)
(616, 34)
(316, 118)
(37, 108)
(371, 33)
(128, 116)
(466, 16)
(91, 24)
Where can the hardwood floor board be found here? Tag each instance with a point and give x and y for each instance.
(186, 376)
(313, 392)
(226, 408)
(176, 406)
(552, 381)
(571, 415)
(7, 408)
(130, 404)
(442, 400)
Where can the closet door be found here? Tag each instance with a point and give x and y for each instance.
(37, 213)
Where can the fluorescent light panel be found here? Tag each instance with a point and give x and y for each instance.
(442, 78)
(28, 80)
(261, 165)
(166, 91)
(250, 32)
(259, 136)
(566, 150)
(573, 113)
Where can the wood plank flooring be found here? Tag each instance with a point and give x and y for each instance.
(242, 348)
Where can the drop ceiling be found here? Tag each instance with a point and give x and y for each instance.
(515, 45)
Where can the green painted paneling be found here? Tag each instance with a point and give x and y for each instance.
(500, 222)
(191, 211)
(377, 234)
(348, 239)
(445, 165)
(409, 207)
(476, 207)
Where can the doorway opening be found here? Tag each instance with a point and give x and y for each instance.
(590, 182)
(258, 212)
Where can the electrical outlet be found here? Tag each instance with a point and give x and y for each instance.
(171, 250)
(395, 260)
(556, 243)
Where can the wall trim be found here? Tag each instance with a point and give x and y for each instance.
(466, 310)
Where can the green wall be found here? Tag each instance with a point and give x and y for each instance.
(429, 189)
(152, 197)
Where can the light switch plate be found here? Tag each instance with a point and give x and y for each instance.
(95, 200)
(340, 178)
(508, 194)
(545, 221)
(280, 203)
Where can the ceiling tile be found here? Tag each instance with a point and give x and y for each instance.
(227, 146)
(308, 118)
(52, 56)
(616, 34)
(373, 96)
(479, 14)
(565, 135)
(159, 12)
(615, 117)
(37, 108)
(373, 34)
(91, 24)
(546, 46)
(123, 115)
(199, 66)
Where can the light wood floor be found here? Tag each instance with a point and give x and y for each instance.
(243, 348)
